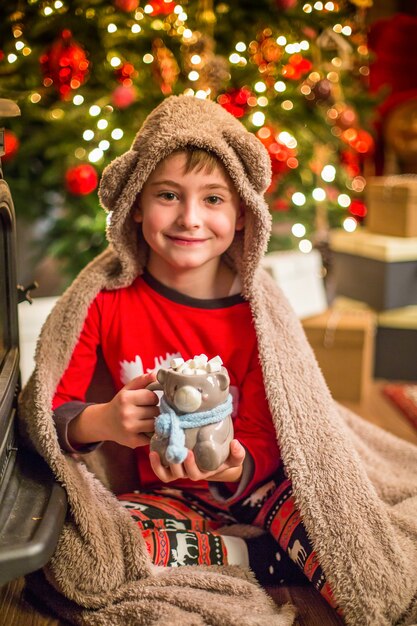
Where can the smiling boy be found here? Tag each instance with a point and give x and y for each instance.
(185, 220)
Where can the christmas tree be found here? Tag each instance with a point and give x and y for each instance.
(87, 72)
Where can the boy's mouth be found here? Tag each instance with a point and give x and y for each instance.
(185, 241)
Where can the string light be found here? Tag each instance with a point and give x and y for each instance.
(88, 135)
(258, 118)
(305, 246)
(234, 57)
(298, 230)
(193, 75)
(281, 40)
(260, 87)
(117, 133)
(95, 155)
(78, 99)
(104, 144)
(328, 173)
(240, 46)
(102, 124)
(343, 200)
(287, 105)
(135, 28)
(111, 28)
(147, 58)
(280, 86)
(350, 224)
(11, 58)
(94, 110)
(298, 198)
(319, 194)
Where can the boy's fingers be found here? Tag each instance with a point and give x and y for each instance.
(162, 472)
(143, 397)
(237, 454)
(142, 381)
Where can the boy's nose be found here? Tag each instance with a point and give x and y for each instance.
(190, 215)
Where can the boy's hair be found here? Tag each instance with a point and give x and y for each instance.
(199, 159)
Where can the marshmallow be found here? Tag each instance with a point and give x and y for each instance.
(175, 363)
(198, 365)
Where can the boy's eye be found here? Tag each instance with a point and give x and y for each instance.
(214, 200)
(167, 195)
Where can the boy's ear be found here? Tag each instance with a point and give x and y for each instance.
(137, 214)
(240, 221)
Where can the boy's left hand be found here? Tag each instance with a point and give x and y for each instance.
(229, 471)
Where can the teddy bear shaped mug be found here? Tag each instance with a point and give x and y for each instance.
(196, 412)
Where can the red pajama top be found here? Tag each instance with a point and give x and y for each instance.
(141, 327)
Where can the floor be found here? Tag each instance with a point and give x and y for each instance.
(15, 610)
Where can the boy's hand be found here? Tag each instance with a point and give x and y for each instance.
(124, 419)
(132, 412)
(229, 471)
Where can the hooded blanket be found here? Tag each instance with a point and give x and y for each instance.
(355, 485)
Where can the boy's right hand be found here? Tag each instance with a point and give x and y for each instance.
(124, 419)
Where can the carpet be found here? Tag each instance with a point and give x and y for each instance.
(405, 398)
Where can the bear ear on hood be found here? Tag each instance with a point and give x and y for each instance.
(115, 177)
(253, 155)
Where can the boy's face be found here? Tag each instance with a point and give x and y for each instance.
(188, 219)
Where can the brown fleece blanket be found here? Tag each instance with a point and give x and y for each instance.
(355, 485)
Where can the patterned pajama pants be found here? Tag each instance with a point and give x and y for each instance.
(180, 527)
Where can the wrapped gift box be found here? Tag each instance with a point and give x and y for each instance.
(343, 342)
(396, 344)
(378, 270)
(300, 277)
(392, 205)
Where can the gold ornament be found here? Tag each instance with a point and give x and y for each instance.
(165, 67)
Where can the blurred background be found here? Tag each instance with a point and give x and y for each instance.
(86, 73)
(330, 88)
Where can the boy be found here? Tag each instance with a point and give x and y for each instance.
(188, 226)
(187, 302)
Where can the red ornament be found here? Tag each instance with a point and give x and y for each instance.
(357, 208)
(360, 140)
(297, 67)
(351, 161)
(282, 157)
(1, 55)
(123, 96)
(11, 145)
(126, 5)
(125, 73)
(64, 65)
(162, 8)
(235, 101)
(81, 179)
(280, 205)
(285, 4)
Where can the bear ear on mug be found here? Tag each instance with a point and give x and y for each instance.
(224, 380)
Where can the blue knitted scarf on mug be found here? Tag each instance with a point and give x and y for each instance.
(170, 425)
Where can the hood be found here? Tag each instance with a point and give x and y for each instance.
(179, 122)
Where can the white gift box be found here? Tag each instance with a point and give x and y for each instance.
(300, 276)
